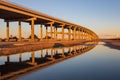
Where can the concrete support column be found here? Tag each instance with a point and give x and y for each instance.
(7, 31)
(41, 53)
(85, 35)
(79, 34)
(20, 57)
(47, 52)
(54, 51)
(19, 31)
(51, 25)
(8, 58)
(62, 32)
(46, 33)
(55, 33)
(32, 30)
(33, 57)
(51, 53)
(88, 36)
(82, 34)
(41, 31)
(74, 33)
(69, 33)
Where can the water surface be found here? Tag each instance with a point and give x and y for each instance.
(93, 63)
(101, 63)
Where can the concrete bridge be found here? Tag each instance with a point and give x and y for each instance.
(11, 12)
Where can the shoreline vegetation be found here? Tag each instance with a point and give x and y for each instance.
(112, 43)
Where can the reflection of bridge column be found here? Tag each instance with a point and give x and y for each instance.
(63, 53)
(7, 31)
(51, 58)
(33, 58)
(41, 35)
(70, 51)
(75, 52)
(19, 30)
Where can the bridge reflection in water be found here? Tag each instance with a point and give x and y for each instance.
(23, 63)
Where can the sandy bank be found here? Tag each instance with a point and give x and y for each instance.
(12, 48)
(112, 43)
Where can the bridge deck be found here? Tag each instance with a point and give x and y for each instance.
(13, 12)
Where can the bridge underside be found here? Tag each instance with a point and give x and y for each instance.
(11, 12)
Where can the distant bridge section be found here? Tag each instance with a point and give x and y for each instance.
(11, 12)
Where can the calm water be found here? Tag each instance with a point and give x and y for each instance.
(100, 63)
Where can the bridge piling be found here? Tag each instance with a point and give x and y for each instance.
(7, 31)
(19, 31)
(41, 32)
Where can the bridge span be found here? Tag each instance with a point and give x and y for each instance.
(12, 12)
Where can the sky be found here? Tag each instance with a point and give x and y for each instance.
(101, 16)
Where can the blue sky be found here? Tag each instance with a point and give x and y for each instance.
(101, 16)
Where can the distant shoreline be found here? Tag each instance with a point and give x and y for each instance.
(112, 43)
